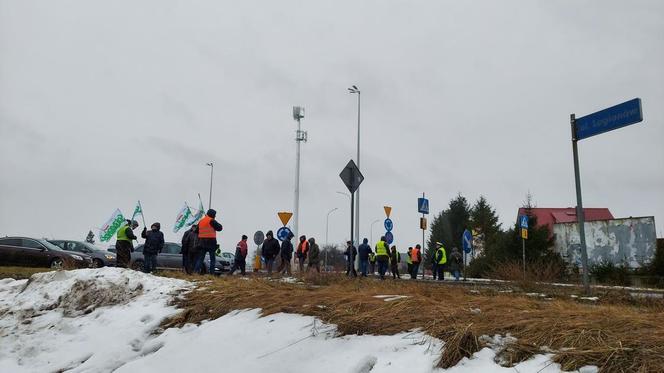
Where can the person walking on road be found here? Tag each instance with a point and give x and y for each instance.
(416, 258)
(441, 259)
(154, 243)
(123, 244)
(382, 257)
(189, 249)
(350, 254)
(240, 261)
(302, 252)
(286, 255)
(207, 240)
(456, 262)
(314, 252)
(364, 250)
(372, 263)
(395, 258)
(409, 261)
(270, 251)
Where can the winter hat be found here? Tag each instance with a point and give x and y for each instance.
(244, 237)
(156, 225)
(269, 234)
(211, 213)
(365, 241)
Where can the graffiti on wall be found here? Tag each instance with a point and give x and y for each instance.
(629, 241)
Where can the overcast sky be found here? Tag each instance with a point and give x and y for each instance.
(103, 103)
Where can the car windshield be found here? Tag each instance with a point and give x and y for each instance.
(49, 245)
(91, 246)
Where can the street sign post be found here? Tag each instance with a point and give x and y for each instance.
(423, 208)
(388, 211)
(423, 205)
(352, 178)
(259, 237)
(523, 223)
(618, 116)
(467, 245)
(284, 217)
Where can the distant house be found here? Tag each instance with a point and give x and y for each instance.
(556, 215)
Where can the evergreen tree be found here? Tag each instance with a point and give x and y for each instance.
(90, 238)
(484, 219)
(447, 227)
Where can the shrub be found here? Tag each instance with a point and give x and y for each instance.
(606, 272)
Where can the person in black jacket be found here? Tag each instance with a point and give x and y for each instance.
(270, 251)
(364, 250)
(350, 254)
(189, 250)
(154, 243)
(286, 255)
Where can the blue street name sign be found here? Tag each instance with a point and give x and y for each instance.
(423, 205)
(609, 119)
(389, 238)
(467, 241)
(388, 225)
(282, 233)
(523, 221)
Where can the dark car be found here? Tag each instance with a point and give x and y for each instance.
(100, 257)
(170, 258)
(32, 252)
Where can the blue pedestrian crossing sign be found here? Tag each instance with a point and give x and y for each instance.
(423, 205)
(283, 233)
(388, 224)
(389, 238)
(523, 221)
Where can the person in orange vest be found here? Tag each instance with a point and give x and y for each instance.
(416, 258)
(302, 251)
(207, 240)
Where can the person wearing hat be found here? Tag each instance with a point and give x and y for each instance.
(240, 256)
(440, 259)
(123, 244)
(314, 252)
(286, 255)
(395, 258)
(154, 243)
(189, 250)
(416, 258)
(382, 256)
(350, 254)
(270, 251)
(207, 240)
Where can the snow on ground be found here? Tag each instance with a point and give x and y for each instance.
(103, 320)
(390, 298)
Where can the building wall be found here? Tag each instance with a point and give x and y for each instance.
(629, 241)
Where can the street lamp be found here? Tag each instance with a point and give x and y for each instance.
(344, 194)
(372, 224)
(354, 90)
(211, 164)
(327, 226)
(298, 114)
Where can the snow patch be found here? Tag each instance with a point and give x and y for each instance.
(390, 298)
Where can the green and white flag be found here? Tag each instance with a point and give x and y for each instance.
(198, 215)
(111, 226)
(183, 217)
(137, 211)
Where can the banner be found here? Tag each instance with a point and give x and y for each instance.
(111, 226)
(182, 218)
(138, 211)
(198, 215)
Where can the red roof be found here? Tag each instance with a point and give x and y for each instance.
(551, 216)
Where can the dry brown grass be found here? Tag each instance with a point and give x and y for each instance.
(615, 338)
(20, 273)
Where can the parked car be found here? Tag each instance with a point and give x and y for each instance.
(32, 252)
(100, 257)
(170, 258)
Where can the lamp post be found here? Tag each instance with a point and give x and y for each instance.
(372, 224)
(298, 114)
(354, 90)
(211, 164)
(327, 228)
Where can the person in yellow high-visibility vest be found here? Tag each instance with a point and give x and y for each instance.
(382, 257)
(440, 260)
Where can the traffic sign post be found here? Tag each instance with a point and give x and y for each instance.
(284, 217)
(352, 178)
(282, 233)
(523, 223)
(388, 225)
(389, 238)
(618, 116)
(467, 245)
(423, 208)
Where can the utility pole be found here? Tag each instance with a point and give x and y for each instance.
(298, 114)
(211, 164)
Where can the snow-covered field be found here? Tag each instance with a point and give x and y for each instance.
(103, 320)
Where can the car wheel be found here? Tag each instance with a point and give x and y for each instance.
(57, 263)
(97, 263)
(137, 265)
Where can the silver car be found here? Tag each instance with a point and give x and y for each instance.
(100, 257)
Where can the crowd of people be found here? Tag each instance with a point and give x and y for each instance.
(201, 240)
